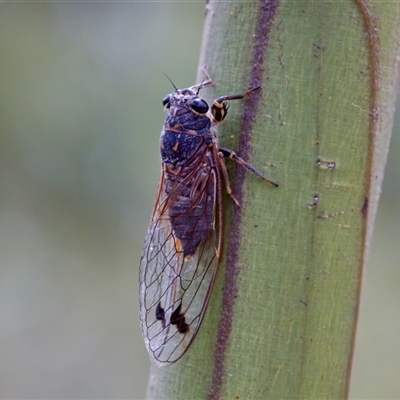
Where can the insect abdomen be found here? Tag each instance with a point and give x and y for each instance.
(192, 211)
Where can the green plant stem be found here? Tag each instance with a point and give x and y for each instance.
(282, 318)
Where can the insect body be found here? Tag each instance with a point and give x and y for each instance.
(184, 240)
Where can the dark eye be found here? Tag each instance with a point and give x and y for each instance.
(199, 105)
(166, 100)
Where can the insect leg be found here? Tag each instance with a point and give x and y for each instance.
(226, 177)
(206, 82)
(221, 99)
(233, 156)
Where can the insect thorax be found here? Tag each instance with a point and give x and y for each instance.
(184, 132)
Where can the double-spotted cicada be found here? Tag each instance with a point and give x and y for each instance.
(184, 240)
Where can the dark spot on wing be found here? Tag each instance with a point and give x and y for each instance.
(178, 319)
(160, 314)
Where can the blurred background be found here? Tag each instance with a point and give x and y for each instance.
(81, 86)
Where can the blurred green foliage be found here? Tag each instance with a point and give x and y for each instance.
(80, 116)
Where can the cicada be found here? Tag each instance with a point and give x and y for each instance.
(184, 241)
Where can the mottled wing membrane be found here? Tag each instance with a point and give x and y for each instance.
(174, 289)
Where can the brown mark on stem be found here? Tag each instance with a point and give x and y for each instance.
(373, 49)
(263, 26)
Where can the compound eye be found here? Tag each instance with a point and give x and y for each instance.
(199, 105)
(166, 101)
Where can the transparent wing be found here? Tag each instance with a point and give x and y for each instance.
(179, 262)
